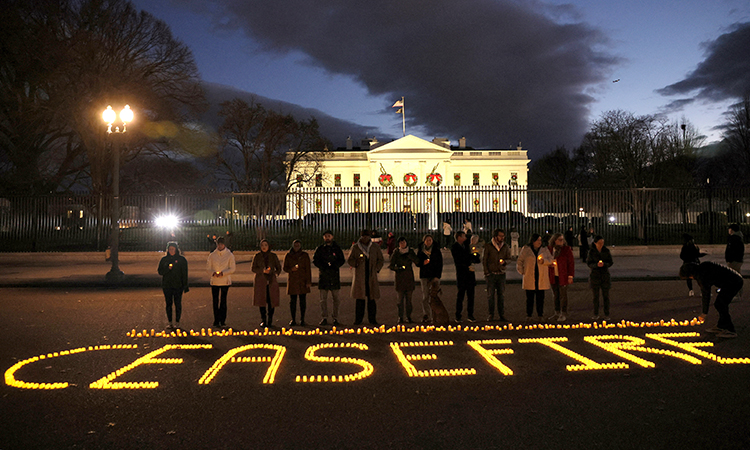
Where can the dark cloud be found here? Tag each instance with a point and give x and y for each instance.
(336, 130)
(495, 71)
(725, 71)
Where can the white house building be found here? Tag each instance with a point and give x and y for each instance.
(413, 175)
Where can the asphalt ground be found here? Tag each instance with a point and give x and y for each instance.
(657, 401)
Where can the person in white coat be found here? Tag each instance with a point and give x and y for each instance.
(533, 263)
(220, 266)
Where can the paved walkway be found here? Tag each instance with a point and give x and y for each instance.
(88, 268)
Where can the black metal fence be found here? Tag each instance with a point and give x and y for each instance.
(623, 216)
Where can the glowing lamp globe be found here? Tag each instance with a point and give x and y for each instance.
(126, 115)
(109, 115)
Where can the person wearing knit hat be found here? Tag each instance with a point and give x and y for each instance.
(173, 269)
(329, 258)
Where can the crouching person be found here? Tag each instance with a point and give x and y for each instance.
(728, 281)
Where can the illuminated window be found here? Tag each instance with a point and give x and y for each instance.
(318, 180)
(456, 179)
(356, 180)
(337, 180)
(475, 179)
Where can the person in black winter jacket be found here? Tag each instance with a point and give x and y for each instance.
(690, 253)
(728, 282)
(173, 269)
(329, 258)
(735, 251)
(466, 280)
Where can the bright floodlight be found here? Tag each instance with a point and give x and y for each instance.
(109, 115)
(612, 219)
(126, 115)
(169, 221)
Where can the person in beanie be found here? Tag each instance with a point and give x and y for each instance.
(220, 266)
(267, 268)
(173, 269)
(599, 261)
(728, 282)
(329, 258)
(297, 265)
(367, 260)
(401, 262)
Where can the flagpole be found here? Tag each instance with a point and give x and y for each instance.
(403, 116)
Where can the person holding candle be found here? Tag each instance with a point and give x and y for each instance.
(599, 261)
(561, 274)
(533, 264)
(329, 258)
(430, 270)
(401, 262)
(173, 269)
(466, 281)
(367, 260)
(220, 266)
(267, 268)
(494, 261)
(297, 265)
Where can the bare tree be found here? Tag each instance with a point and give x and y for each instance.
(100, 52)
(260, 148)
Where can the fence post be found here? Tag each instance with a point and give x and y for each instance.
(369, 207)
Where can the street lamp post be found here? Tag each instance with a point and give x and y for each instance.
(115, 275)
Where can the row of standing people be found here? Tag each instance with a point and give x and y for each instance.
(367, 260)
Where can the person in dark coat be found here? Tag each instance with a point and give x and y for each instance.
(173, 269)
(690, 253)
(735, 251)
(329, 258)
(401, 262)
(570, 238)
(430, 270)
(728, 282)
(583, 244)
(367, 259)
(297, 265)
(466, 280)
(267, 268)
(599, 261)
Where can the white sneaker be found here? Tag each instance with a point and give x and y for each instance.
(691, 293)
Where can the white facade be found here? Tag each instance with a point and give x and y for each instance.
(468, 179)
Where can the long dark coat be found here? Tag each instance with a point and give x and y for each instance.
(329, 259)
(402, 263)
(599, 277)
(262, 280)
(299, 280)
